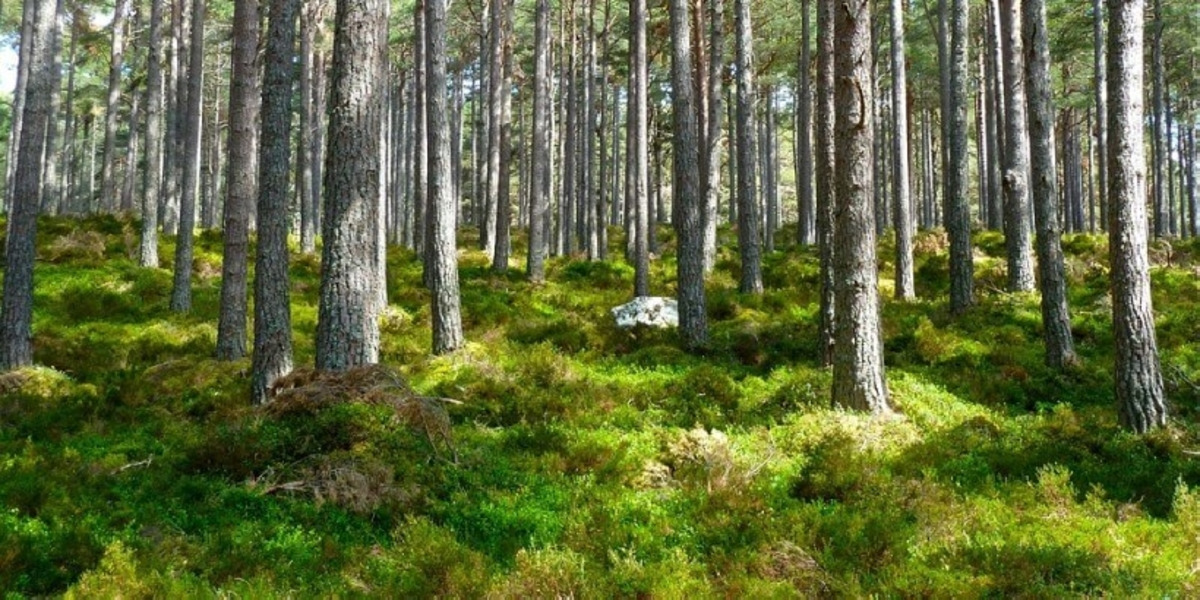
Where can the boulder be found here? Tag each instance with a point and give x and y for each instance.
(651, 311)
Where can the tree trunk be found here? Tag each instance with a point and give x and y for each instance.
(308, 208)
(1156, 130)
(181, 294)
(688, 200)
(711, 152)
(1056, 320)
(503, 202)
(1140, 399)
(638, 150)
(240, 193)
(823, 171)
(539, 204)
(901, 200)
(272, 307)
(51, 192)
(858, 379)
(152, 178)
(1016, 153)
(28, 12)
(1101, 96)
(806, 224)
(748, 216)
(347, 324)
(447, 317)
(16, 309)
(420, 137)
(487, 227)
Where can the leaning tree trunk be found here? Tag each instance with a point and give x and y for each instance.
(539, 204)
(447, 316)
(858, 380)
(347, 324)
(272, 304)
(1056, 320)
(1016, 152)
(16, 307)
(956, 206)
(1139, 383)
(823, 172)
(240, 191)
(901, 200)
(749, 244)
(693, 322)
(181, 294)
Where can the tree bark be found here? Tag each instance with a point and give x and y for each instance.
(693, 322)
(711, 152)
(152, 177)
(748, 215)
(806, 213)
(1016, 153)
(16, 306)
(1156, 65)
(503, 230)
(1101, 99)
(1056, 319)
(858, 379)
(447, 317)
(956, 206)
(240, 193)
(347, 324)
(539, 204)
(823, 171)
(638, 149)
(272, 303)
(1139, 385)
(901, 199)
(181, 294)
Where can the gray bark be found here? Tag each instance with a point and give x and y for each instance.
(1101, 95)
(956, 205)
(823, 171)
(1139, 385)
(1161, 221)
(693, 322)
(447, 316)
(858, 378)
(638, 148)
(181, 293)
(901, 198)
(496, 91)
(748, 216)
(503, 229)
(16, 306)
(272, 305)
(807, 228)
(307, 182)
(152, 175)
(1056, 320)
(347, 323)
(539, 204)
(711, 153)
(1016, 152)
(241, 190)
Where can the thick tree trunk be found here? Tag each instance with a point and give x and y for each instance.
(688, 199)
(956, 205)
(1016, 153)
(749, 244)
(539, 204)
(823, 175)
(240, 193)
(272, 307)
(447, 316)
(181, 294)
(1140, 399)
(347, 323)
(901, 199)
(858, 379)
(16, 306)
(1056, 320)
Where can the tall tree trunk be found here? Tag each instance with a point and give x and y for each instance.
(1140, 399)
(152, 178)
(539, 205)
(503, 201)
(957, 208)
(1101, 100)
(996, 112)
(447, 317)
(807, 229)
(1016, 153)
(1156, 100)
(272, 304)
(858, 380)
(308, 208)
(712, 149)
(347, 320)
(748, 232)
(638, 149)
(116, 65)
(51, 193)
(16, 306)
(181, 294)
(421, 137)
(240, 193)
(688, 200)
(1056, 320)
(901, 200)
(28, 12)
(823, 171)
(66, 170)
(496, 91)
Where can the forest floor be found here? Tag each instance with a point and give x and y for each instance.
(586, 461)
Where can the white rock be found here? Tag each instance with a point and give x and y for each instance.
(651, 311)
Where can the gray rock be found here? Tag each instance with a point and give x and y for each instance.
(651, 311)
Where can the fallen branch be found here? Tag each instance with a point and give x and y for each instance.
(134, 465)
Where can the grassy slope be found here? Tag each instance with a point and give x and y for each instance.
(589, 460)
